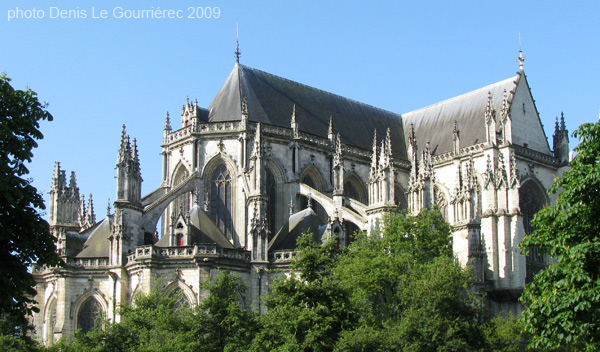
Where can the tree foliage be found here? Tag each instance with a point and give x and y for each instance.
(399, 290)
(308, 309)
(24, 235)
(158, 322)
(409, 289)
(563, 302)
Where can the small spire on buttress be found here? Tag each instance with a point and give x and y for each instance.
(167, 123)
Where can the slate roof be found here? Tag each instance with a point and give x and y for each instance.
(436, 122)
(299, 223)
(204, 230)
(271, 99)
(97, 245)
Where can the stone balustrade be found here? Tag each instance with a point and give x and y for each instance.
(199, 250)
(281, 256)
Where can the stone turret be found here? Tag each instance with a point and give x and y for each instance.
(126, 232)
(189, 113)
(65, 202)
(506, 121)
(490, 122)
(561, 141)
(129, 178)
(258, 227)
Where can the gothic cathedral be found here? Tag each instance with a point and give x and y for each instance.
(270, 159)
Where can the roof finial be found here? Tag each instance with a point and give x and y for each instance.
(108, 208)
(521, 58)
(237, 52)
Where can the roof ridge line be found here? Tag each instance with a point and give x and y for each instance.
(324, 91)
(514, 78)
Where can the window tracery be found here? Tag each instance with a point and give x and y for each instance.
(271, 188)
(90, 315)
(181, 203)
(221, 200)
(530, 202)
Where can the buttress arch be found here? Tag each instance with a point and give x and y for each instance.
(188, 293)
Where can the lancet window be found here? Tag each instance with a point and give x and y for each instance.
(90, 315)
(530, 202)
(181, 203)
(221, 200)
(271, 188)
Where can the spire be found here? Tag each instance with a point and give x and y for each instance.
(237, 52)
(134, 156)
(562, 121)
(520, 59)
(73, 181)
(385, 151)
(57, 181)
(456, 138)
(294, 124)
(489, 109)
(108, 208)
(490, 121)
(82, 211)
(504, 112)
(124, 148)
(374, 159)
(167, 123)
(90, 217)
(388, 143)
(337, 156)
(330, 129)
(257, 149)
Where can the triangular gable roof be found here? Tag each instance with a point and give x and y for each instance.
(97, 244)
(435, 122)
(298, 224)
(271, 99)
(204, 230)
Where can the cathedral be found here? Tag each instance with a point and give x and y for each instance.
(270, 159)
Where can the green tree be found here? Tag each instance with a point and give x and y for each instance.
(159, 322)
(506, 335)
(413, 295)
(153, 323)
(308, 309)
(222, 323)
(24, 235)
(563, 302)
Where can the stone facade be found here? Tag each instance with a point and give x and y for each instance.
(271, 158)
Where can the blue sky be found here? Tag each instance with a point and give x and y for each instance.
(97, 74)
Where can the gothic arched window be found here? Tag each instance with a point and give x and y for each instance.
(271, 201)
(221, 200)
(90, 315)
(531, 200)
(181, 203)
(51, 323)
(182, 301)
(400, 197)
